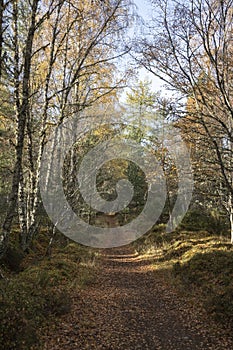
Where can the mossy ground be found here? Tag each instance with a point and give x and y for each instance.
(200, 265)
(36, 289)
(39, 289)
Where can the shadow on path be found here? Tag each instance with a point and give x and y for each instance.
(130, 307)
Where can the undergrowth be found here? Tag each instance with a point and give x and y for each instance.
(39, 292)
(199, 264)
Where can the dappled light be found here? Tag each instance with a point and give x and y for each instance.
(116, 175)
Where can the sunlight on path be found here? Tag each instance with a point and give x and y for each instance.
(130, 307)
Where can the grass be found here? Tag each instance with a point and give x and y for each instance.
(199, 264)
(39, 292)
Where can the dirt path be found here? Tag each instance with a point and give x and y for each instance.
(130, 307)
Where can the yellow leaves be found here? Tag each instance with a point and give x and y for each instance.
(102, 131)
(142, 95)
(42, 69)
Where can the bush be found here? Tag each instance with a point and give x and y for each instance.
(212, 273)
(212, 221)
(24, 308)
(20, 314)
(13, 259)
(201, 266)
(35, 296)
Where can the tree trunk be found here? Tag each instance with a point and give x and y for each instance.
(22, 212)
(1, 36)
(231, 222)
(21, 114)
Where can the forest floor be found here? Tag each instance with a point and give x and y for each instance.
(131, 306)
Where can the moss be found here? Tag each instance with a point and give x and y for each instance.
(40, 293)
(13, 258)
(198, 263)
(212, 221)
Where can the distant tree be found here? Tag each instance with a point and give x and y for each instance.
(148, 113)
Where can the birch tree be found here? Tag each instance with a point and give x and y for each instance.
(64, 56)
(190, 49)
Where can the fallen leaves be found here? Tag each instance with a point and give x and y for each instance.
(130, 306)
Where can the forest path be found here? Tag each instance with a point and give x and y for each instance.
(131, 307)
